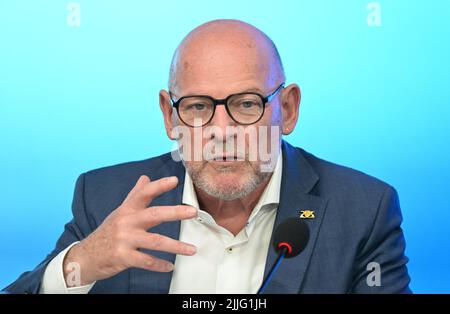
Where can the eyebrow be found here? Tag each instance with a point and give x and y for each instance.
(247, 90)
(252, 90)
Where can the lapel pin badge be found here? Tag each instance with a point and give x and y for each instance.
(307, 214)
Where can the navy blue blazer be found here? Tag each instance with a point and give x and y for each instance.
(357, 221)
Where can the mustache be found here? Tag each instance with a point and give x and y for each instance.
(223, 152)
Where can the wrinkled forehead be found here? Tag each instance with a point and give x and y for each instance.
(222, 63)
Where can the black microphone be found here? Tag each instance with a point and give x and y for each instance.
(289, 239)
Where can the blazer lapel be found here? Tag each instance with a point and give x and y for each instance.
(298, 179)
(143, 281)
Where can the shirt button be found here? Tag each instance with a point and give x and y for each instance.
(230, 250)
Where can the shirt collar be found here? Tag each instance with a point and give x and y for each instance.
(271, 194)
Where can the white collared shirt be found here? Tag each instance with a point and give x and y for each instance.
(224, 263)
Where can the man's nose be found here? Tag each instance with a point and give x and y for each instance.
(221, 118)
(222, 121)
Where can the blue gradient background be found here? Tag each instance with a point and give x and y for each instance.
(73, 99)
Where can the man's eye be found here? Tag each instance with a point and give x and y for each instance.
(198, 106)
(248, 104)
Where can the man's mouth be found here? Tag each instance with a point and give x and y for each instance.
(227, 158)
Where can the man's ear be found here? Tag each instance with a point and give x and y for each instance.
(167, 110)
(290, 103)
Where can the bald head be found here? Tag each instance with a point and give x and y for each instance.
(224, 56)
(218, 59)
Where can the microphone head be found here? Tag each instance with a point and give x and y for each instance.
(293, 233)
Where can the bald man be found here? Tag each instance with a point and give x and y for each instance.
(201, 219)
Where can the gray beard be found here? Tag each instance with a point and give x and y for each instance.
(235, 192)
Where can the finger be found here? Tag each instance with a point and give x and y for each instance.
(149, 262)
(142, 196)
(155, 215)
(158, 242)
(140, 183)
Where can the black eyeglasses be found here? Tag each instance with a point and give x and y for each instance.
(244, 108)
